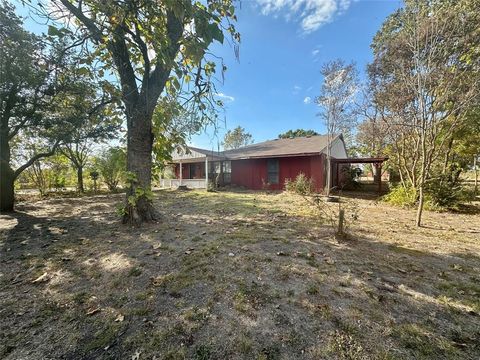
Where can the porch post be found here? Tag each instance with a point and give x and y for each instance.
(206, 172)
(379, 172)
(181, 173)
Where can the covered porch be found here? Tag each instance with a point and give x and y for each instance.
(194, 168)
(377, 164)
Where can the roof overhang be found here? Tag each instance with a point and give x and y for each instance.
(275, 156)
(196, 159)
(370, 160)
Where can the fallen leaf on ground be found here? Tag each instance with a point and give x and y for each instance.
(329, 261)
(136, 356)
(120, 318)
(93, 311)
(42, 278)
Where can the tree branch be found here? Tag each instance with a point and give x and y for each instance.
(35, 158)
(89, 23)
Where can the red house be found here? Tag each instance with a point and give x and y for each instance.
(258, 166)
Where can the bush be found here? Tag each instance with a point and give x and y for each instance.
(350, 177)
(440, 194)
(401, 196)
(302, 185)
(112, 165)
(445, 190)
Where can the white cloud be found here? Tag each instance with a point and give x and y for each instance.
(225, 97)
(315, 52)
(307, 100)
(312, 13)
(296, 89)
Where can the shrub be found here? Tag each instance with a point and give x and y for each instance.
(401, 196)
(350, 177)
(444, 190)
(302, 185)
(112, 165)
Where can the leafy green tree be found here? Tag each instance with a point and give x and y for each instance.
(236, 138)
(428, 79)
(112, 165)
(35, 72)
(99, 121)
(153, 47)
(297, 133)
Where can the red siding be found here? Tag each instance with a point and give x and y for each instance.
(252, 173)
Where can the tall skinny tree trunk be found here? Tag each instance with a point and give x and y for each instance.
(421, 201)
(80, 186)
(423, 176)
(475, 170)
(139, 206)
(329, 167)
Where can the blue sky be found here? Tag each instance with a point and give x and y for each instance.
(284, 44)
(280, 63)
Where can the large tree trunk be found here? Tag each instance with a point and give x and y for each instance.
(80, 186)
(7, 180)
(7, 175)
(139, 208)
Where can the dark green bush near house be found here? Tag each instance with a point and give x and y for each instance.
(443, 191)
(301, 185)
(350, 177)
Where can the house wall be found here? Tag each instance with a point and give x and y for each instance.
(252, 173)
(338, 150)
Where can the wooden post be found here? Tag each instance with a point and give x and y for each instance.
(379, 175)
(338, 176)
(181, 173)
(206, 172)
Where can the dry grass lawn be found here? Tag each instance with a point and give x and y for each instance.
(236, 275)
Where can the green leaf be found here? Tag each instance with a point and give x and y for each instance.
(83, 71)
(215, 32)
(53, 31)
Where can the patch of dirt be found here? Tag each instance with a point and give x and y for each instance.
(236, 275)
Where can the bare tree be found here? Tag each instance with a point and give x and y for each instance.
(335, 100)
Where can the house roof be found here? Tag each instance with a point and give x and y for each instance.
(192, 154)
(299, 146)
(306, 145)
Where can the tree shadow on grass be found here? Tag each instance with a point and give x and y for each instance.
(288, 287)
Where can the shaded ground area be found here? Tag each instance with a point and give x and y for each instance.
(236, 275)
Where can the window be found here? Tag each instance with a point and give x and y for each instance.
(227, 172)
(272, 171)
(220, 167)
(227, 167)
